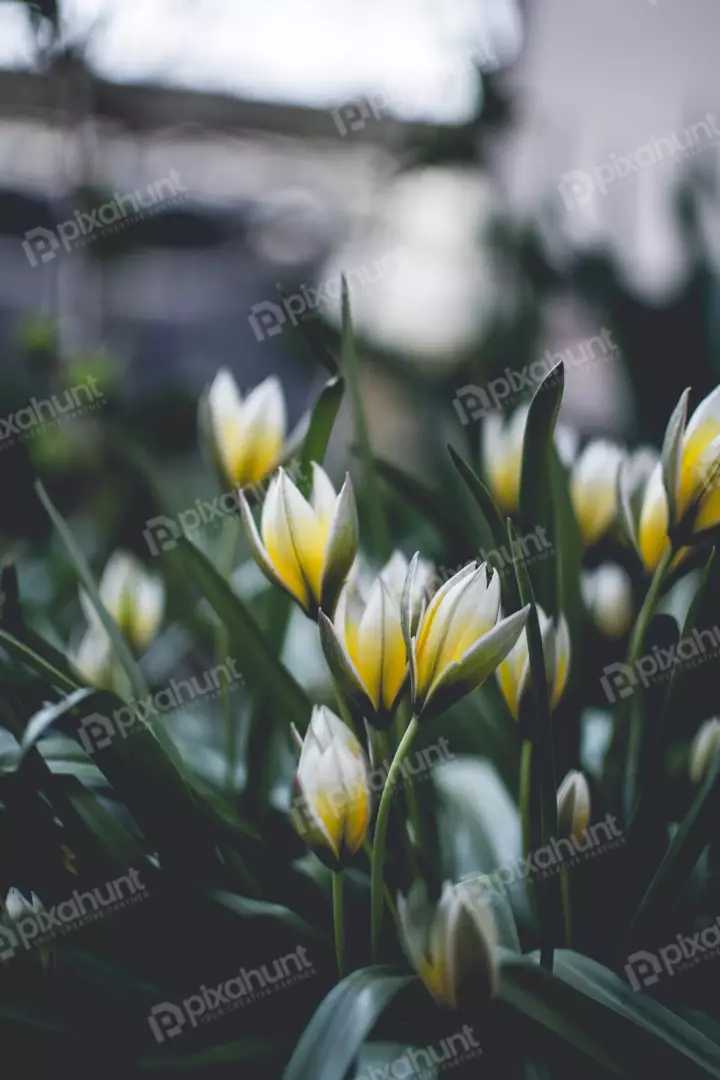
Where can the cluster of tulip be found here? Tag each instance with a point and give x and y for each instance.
(391, 637)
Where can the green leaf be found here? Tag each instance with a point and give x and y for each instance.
(432, 506)
(536, 503)
(686, 847)
(376, 513)
(39, 664)
(318, 435)
(338, 1029)
(589, 1009)
(569, 546)
(544, 757)
(127, 751)
(249, 645)
(248, 908)
(490, 513)
(122, 650)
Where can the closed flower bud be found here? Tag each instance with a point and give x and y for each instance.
(394, 574)
(694, 506)
(502, 447)
(593, 487)
(365, 651)
(514, 677)
(331, 808)
(703, 751)
(245, 437)
(306, 547)
(573, 806)
(132, 597)
(608, 597)
(452, 945)
(460, 638)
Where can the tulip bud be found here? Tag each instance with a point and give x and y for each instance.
(452, 945)
(691, 461)
(243, 437)
(502, 448)
(703, 751)
(573, 802)
(365, 651)
(608, 597)
(514, 676)
(305, 547)
(331, 811)
(132, 597)
(460, 638)
(593, 487)
(395, 573)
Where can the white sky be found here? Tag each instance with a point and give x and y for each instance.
(415, 53)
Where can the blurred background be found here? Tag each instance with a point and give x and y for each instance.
(182, 183)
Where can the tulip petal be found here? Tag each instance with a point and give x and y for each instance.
(295, 587)
(341, 547)
(262, 432)
(280, 539)
(672, 459)
(462, 677)
(593, 488)
(343, 670)
(434, 626)
(381, 658)
(654, 521)
(322, 497)
(561, 662)
(224, 411)
(475, 614)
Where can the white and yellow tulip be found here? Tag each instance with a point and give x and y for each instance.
(365, 651)
(306, 547)
(607, 593)
(502, 448)
(593, 488)
(635, 470)
(460, 638)
(691, 469)
(246, 436)
(332, 805)
(513, 674)
(132, 597)
(573, 806)
(704, 750)
(451, 946)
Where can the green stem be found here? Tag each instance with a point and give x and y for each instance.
(339, 920)
(631, 717)
(377, 879)
(229, 726)
(526, 795)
